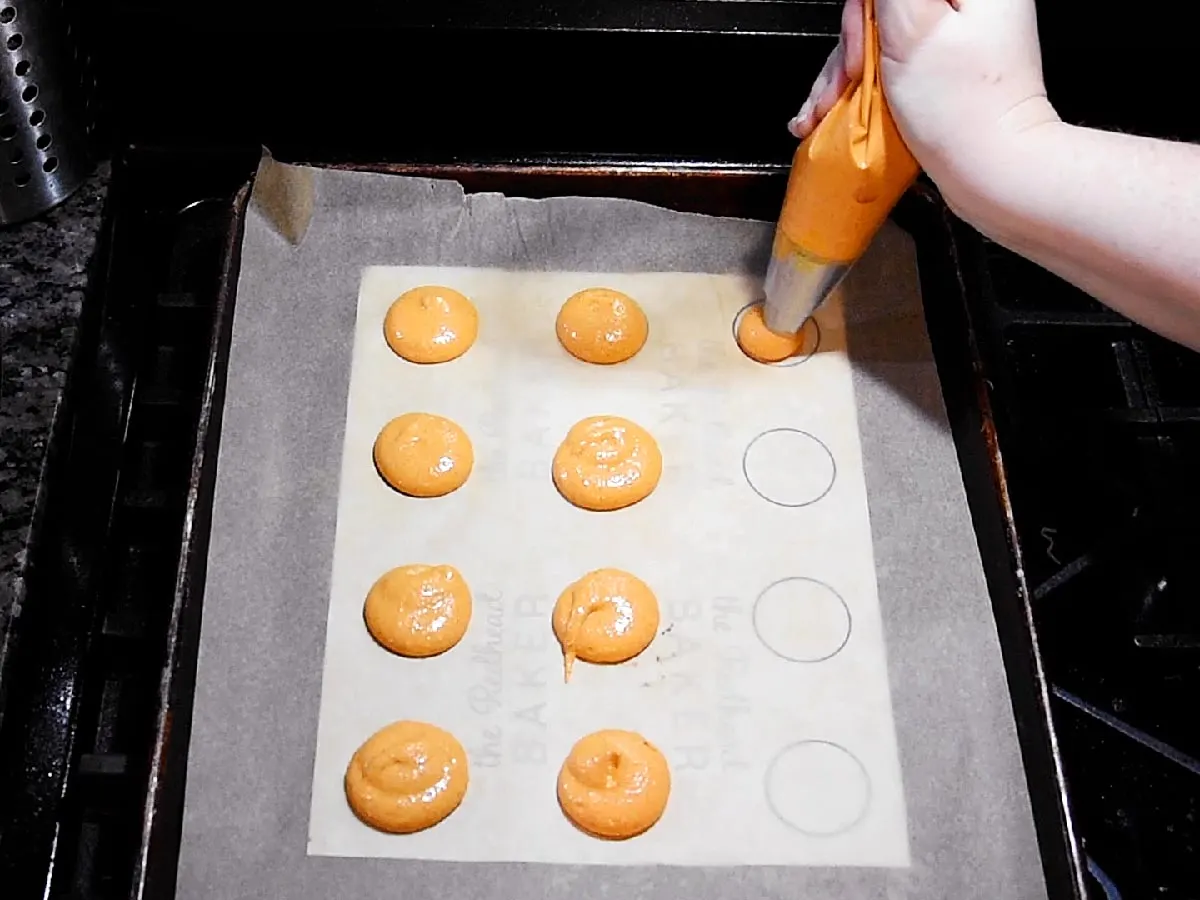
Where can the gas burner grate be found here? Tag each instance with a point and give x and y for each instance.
(1099, 421)
(84, 675)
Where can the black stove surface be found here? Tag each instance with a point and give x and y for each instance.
(1100, 424)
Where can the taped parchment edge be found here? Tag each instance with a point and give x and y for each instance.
(285, 195)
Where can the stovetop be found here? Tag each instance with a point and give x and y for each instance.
(1097, 420)
(1100, 421)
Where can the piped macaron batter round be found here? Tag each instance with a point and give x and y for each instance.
(602, 326)
(423, 455)
(607, 616)
(614, 784)
(607, 463)
(407, 777)
(431, 324)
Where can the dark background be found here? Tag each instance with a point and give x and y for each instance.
(447, 80)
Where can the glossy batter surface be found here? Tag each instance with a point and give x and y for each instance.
(431, 324)
(418, 610)
(606, 463)
(762, 344)
(423, 455)
(407, 777)
(600, 325)
(614, 784)
(607, 616)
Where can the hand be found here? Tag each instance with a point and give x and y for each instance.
(963, 79)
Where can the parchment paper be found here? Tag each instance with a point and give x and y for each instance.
(766, 687)
(253, 745)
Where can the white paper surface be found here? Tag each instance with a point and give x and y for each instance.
(774, 760)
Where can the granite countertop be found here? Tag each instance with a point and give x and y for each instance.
(43, 270)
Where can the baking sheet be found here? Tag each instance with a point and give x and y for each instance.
(252, 751)
(766, 687)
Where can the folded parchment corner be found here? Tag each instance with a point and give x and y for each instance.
(286, 197)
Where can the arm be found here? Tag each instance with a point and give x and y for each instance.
(1115, 214)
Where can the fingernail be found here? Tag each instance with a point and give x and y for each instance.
(800, 121)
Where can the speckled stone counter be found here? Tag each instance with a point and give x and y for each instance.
(43, 270)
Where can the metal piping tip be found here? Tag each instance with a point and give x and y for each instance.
(795, 287)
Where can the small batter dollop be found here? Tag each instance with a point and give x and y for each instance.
(607, 463)
(423, 455)
(603, 326)
(418, 610)
(607, 616)
(762, 344)
(431, 324)
(407, 777)
(614, 784)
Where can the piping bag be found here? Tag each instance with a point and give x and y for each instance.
(846, 177)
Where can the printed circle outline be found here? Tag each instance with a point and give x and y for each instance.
(758, 437)
(783, 363)
(796, 659)
(862, 770)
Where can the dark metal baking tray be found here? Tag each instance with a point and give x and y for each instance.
(94, 736)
